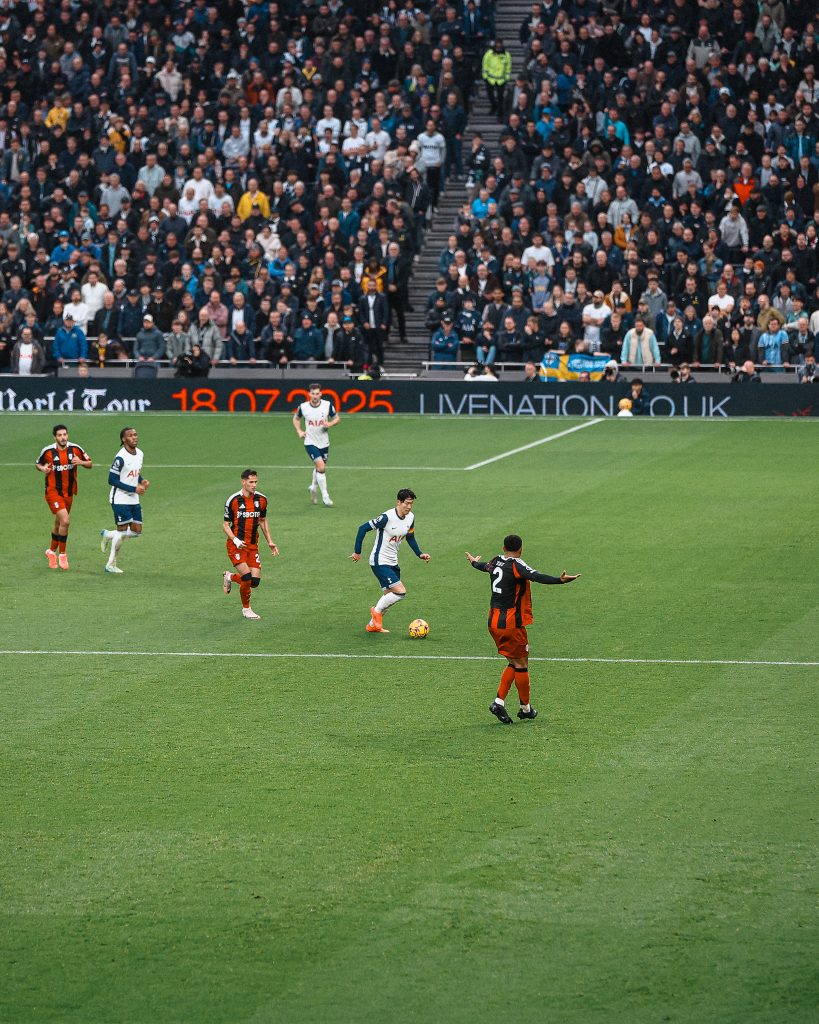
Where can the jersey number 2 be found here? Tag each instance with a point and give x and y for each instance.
(497, 576)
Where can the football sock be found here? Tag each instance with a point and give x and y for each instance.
(236, 577)
(526, 707)
(55, 541)
(522, 683)
(244, 593)
(506, 680)
(499, 700)
(63, 539)
(315, 474)
(387, 601)
(116, 542)
(110, 534)
(322, 483)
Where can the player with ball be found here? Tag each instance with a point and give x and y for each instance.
(391, 528)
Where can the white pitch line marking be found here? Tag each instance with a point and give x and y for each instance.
(534, 444)
(416, 657)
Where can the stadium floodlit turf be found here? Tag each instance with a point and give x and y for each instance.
(342, 832)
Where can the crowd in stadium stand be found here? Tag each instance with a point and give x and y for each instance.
(236, 182)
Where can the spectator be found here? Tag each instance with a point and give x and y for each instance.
(485, 348)
(207, 335)
(177, 342)
(773, 343)
(70, 343)
(595, 315)
(307, 340)
(28, 356)
(149, 344)
(640, 345)
(241, 345)
(708, 343)
(445, 342)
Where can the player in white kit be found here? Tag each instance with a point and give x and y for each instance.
(318, 415)
(127, 487)
(391, 528)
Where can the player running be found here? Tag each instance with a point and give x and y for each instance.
(318, 415)
(391, 527)
(245, 515)
(510, 612)
(127, 487)
(59, 463)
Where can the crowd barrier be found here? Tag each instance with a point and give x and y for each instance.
(443, 398)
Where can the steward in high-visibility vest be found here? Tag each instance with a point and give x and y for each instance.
(496, 70)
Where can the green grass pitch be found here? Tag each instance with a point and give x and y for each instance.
(342, 833)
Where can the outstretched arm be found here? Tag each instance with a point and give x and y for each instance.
(476, 563)
(542, 577)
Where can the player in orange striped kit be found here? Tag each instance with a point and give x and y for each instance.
(245, 516)
(59, 463)
(510, 612)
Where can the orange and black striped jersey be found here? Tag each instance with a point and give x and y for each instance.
(511, 600)
(61, 477)
(243, 513)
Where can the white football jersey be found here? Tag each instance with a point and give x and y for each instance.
(390, 530)
(128, 468)
(316, 418)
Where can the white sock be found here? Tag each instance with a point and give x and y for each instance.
(110, 534)
(131, 533)
(499, 700)
(116, 543)
(525, 707)
(313, 481)
(322, 482)
(387, 601)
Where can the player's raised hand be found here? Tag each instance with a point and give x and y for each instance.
(472, 558)
(356, 557)
(566, 578)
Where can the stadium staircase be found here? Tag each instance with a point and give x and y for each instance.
(408, 358)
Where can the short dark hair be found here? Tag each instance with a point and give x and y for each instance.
(310, 387)
(248, 473)
(512, 542)
(405, 494)
(123, 432)
(60, 426)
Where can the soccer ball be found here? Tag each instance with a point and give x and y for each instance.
(418, 629)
